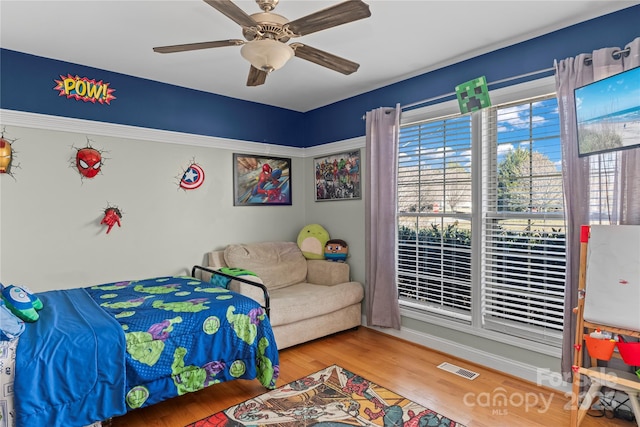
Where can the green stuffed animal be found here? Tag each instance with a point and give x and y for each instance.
(312, 240)
(223, 282)
(21, 303)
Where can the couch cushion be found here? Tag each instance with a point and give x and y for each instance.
(305, 301)
(278, 264)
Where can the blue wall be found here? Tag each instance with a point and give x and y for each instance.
(613, 30)
(26, 84)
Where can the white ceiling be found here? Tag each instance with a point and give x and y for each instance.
(401, 39)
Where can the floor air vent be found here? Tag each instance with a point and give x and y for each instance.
(470, 375)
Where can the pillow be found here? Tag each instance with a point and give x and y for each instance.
(22, 303)
(278, 264)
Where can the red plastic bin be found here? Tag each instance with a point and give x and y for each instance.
(601, 349)
(629, 351)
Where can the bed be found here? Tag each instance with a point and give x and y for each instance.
(101, 351)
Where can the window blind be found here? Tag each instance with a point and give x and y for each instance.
(434, 216)
(523, 260)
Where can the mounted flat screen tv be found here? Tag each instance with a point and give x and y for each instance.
(608, 113)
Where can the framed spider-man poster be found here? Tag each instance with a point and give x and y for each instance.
(261, 181)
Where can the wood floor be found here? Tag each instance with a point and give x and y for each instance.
(403, 367)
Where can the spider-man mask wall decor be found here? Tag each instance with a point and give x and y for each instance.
(88, 162)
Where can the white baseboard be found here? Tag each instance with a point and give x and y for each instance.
(543, 377)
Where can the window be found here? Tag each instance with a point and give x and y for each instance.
(605, 197)
(434, 216)
(523, 259)
(481, 238)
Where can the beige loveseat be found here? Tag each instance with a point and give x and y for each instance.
(309, 299)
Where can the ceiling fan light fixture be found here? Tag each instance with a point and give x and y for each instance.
(266, 55)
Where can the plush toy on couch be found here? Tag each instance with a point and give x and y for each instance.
(312, 240)
(21, 303)
(336, 250)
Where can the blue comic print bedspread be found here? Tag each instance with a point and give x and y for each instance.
(101, 351)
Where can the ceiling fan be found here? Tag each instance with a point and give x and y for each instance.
(267, 33)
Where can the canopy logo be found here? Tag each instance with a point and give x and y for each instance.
(84, 89)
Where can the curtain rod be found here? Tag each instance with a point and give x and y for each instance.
(446, 95)
(616, 54)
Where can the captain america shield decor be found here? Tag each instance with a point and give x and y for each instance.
(192, 178)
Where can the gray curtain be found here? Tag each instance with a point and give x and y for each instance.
(577, 171)
(383, 129)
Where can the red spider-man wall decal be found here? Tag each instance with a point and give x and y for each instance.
(112, 216)
(88, 161)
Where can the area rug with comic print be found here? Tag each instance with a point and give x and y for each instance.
(332, 397)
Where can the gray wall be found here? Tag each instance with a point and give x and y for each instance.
(50, 232)
(51, 237)
(343, 219)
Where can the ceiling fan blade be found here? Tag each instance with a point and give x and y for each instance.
(256, 77)
(196, 46)
(233, 12)
(342, 13)
(325, 59)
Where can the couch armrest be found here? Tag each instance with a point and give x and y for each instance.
(216, 259)
(328, 273)
(215, 262)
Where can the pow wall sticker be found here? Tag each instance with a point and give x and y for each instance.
(473, 95)
(84, 89)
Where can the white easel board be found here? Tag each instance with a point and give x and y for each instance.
(613, 276)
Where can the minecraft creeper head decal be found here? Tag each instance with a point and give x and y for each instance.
(473, 95)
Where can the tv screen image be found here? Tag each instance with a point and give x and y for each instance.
(608, 113)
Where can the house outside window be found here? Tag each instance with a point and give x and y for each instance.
(481, 231)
